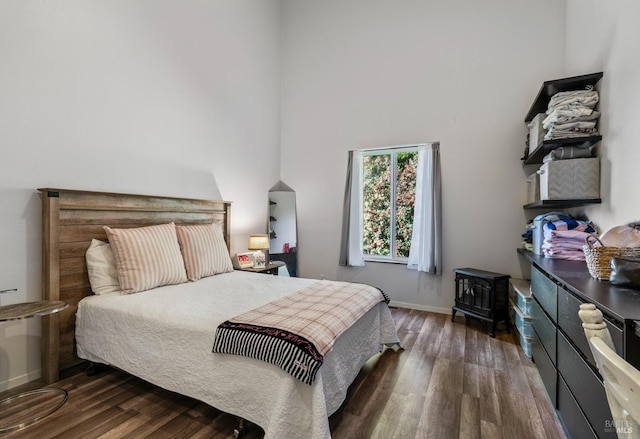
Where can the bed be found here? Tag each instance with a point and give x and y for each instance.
(165, 334)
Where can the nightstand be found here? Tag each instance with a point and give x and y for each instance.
(271, 268)
(21, 311)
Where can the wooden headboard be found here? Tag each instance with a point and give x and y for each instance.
(70, 219)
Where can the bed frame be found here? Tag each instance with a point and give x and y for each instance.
(70, 220)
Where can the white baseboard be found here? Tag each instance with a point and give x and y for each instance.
(420, 307)
(20, 380)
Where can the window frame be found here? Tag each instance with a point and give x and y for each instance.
(392, 151)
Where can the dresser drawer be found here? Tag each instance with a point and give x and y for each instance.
(544, 329)
(586, 388)
(570, 323)
(546, 369)
(572, 417)
(545, 291)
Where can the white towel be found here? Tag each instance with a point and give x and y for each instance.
(562, 116)
(578, 98)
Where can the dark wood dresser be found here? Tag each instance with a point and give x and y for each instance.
(560, 349)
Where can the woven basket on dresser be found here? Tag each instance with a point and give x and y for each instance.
(599, 258)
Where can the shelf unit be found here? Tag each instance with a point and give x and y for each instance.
(535, 156)
(272, 233)
(559, 349)
(545, 204)
(549, 88)
(540, 105)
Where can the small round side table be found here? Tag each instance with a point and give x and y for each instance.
(27, 310)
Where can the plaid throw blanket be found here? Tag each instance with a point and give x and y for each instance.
(297, 331)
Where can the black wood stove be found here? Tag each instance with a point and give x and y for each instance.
(483, 295)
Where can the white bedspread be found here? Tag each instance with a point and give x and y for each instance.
(165, 336)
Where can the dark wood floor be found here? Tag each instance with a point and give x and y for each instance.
(451, 381)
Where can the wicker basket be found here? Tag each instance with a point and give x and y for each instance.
(599, 257)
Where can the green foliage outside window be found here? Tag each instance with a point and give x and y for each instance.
(377, 197)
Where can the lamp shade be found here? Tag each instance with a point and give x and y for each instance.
(258, 242)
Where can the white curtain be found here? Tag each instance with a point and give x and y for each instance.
(351, 246)
(425, 253)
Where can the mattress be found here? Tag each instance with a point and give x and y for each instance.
(165, 336)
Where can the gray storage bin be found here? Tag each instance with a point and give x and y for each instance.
(573, 179)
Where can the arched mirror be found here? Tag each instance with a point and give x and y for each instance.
(283, 230)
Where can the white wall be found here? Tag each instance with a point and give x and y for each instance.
(368, 73)
(170, 98)
(153, 96)
(604, 36)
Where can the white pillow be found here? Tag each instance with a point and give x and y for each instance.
(147, 257)
(101, 267)
(204, 251)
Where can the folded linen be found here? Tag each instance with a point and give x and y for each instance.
(572, 125)
(567, 235)
(562, 246)
(570, 224)
(564, 239)
(555, 216)
(554, 134)
(568, 152)
(568, 99)
(570, 114)
(556, 240)
(561, 116)
(568, 255)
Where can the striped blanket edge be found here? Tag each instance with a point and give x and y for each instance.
(291, 352)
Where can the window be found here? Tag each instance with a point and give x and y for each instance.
(388, 196)
(392, 207)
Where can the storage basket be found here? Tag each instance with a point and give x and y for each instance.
(533, 188)
(570, 179)
(521, 295)
(599, 257)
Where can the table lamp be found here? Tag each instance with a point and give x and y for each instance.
(259, 243)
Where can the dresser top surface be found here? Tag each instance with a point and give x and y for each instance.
(621, 303)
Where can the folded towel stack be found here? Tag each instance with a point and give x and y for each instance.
(571, 114)
(563, 239)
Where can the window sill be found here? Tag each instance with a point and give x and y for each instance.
(388, 261)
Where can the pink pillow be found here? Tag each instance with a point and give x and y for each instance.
(147, 257)
(204, 251)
